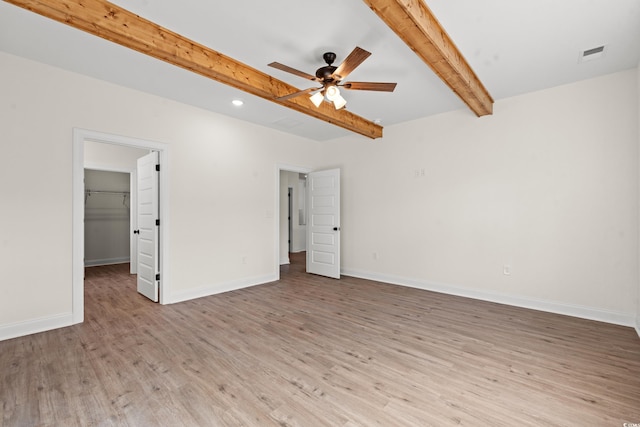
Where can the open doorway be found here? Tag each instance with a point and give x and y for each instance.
(103, 157)
(291, 223)
(99, 151)
(318, 216)
(107, 218)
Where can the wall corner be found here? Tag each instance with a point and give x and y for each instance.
(638, 136)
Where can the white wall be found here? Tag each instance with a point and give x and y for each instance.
(222, 188)
(548, 185)
(111, 157)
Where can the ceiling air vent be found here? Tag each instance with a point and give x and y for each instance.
(591, 54)
(286, 123)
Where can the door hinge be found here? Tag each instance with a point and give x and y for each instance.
(158, 276)
(157, 222)
(157, 168)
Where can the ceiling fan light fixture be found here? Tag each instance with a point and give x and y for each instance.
(339, 102)
(317, 99)
(332, 93)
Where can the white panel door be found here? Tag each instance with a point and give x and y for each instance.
(323, 224)
(133, 222)
(147, 193)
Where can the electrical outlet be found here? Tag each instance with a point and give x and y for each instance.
(375, 255)
(506, 270)
(244, 259)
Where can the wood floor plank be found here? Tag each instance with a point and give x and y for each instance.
(311, 351)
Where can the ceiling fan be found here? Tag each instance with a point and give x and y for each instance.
(331, 78)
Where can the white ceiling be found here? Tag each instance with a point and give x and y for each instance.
(513, 46)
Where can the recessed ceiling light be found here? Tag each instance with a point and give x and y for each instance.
(377, 121)
(237, 102)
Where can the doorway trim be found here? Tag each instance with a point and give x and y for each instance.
(290, 217)
(286, 168)
(79, 138)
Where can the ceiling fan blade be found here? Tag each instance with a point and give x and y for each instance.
(299, 93)
(288, 69)
(380, 87)
(355, 58)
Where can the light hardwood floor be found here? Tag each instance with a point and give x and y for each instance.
(310, 351)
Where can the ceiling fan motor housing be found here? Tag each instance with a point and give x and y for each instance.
(329, 57)
(325, 72)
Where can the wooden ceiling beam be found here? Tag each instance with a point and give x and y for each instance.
(111, 22)
(413, 22)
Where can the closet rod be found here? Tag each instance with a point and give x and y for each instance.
(105, 192)
(124, 195)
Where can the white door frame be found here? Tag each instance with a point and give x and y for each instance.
(79, 138)
(287, 168)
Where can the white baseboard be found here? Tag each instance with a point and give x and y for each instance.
(106, 261)
(34, 326)
(285, 261)
(204, 291)
(617, 318)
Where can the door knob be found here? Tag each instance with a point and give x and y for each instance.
(336, 228)
(136, 231)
